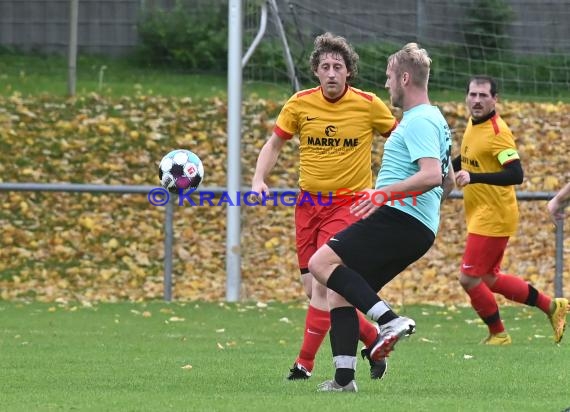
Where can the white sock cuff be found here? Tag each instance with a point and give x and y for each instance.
(378, 310)
(343, 361)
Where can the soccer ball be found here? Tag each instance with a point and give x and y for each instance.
(179, 170)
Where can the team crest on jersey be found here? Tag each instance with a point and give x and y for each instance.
(330, 130)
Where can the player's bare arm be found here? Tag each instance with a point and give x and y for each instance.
(558, 203)
(265, 162)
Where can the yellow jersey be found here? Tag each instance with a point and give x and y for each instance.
(489, 210)
(335, 137)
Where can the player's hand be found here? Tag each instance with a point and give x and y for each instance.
(365, 204)
(556, 210)
(259, 188)
(462, 178)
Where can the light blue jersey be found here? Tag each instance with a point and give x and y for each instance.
(423, 132)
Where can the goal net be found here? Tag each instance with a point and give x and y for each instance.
(524, 44)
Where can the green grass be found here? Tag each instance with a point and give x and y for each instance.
(114, 357)
(47, 75)
(33, 75)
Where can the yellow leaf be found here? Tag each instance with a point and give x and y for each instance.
(551, 183)
(104, 129)
(112, 243)
(106, 274)
(87, 223)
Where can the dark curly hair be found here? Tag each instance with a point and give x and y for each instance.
(329, 43)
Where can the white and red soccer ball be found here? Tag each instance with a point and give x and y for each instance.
(179, 170)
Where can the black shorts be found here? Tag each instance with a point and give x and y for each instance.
(382, 245)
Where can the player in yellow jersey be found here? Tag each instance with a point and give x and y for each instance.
(335, 124)
(487, 169)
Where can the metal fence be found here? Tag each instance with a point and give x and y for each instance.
(110, 26)
(233, 284)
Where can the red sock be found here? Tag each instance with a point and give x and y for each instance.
(514, 288)
(366, 329)
(543, 302)
(317, 325)
(485, 305)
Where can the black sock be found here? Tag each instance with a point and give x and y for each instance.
(351, 286)
(344, 331)
(532, 296)
(344, 336)
(387, 317)
(343, 376)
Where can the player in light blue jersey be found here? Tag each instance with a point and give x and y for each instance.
(358, 261)
(423, 133)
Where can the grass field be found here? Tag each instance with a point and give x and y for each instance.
(47, 75)
(234, 357)
(33, 75)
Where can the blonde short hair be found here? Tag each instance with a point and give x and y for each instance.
(414, 60)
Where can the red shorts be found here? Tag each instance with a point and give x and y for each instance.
(317, 219)
(483, 255)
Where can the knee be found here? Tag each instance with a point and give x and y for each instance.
(464, 281)
(322, 264)
(315, 265)
(489, 280)
(468, 282)
(318, 265)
